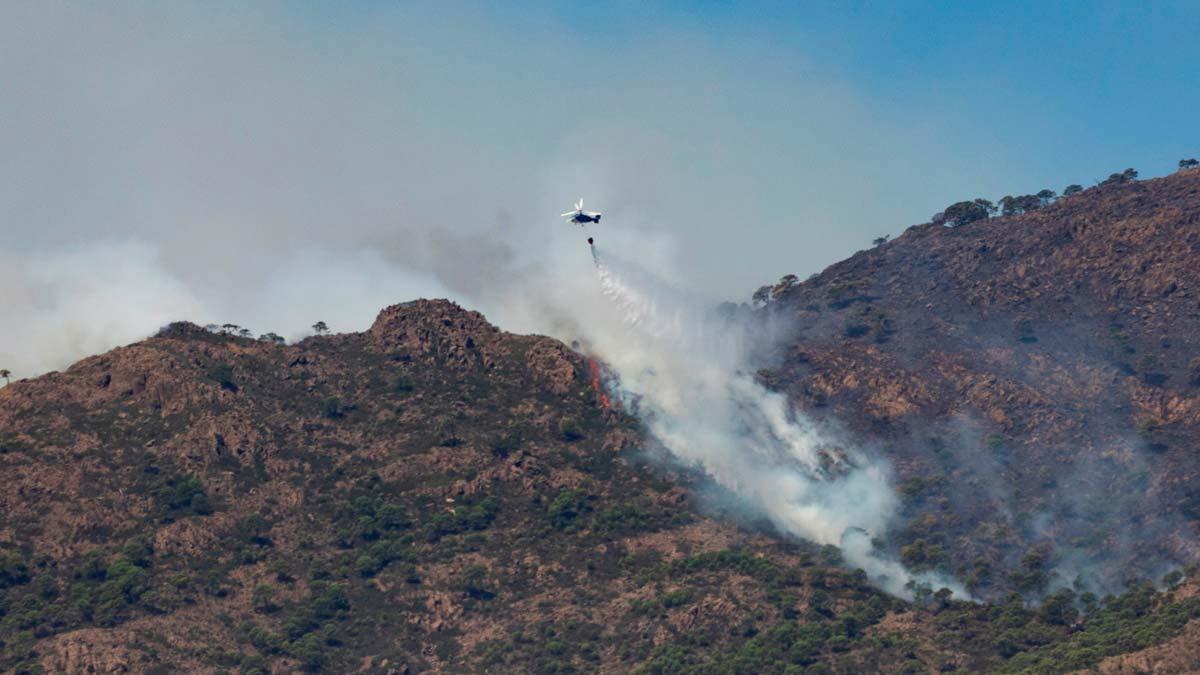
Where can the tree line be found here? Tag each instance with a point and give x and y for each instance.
(964, 212)
(232, 329)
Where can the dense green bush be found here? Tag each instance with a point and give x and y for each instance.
(1134, 620)
(566, 511)
(404, 384)
(331, 407)
(569, 429)
(631, 518)
(222, 374)
(506, 443)
(13, 571)
(466, 516)
(473, 580)
(921, 556)
(182, 495)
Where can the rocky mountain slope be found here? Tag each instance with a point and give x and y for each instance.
(435, 495)
(1035, 380)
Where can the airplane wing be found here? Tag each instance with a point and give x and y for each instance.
(568, 213)
(591, 214)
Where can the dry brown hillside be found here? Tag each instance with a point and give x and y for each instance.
(1035, 379)
(436, 495)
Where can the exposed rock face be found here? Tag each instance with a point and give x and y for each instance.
(458, 338)
(439, 330)
(95, 651)
(554, 364)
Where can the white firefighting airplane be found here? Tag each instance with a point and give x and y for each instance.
(580, 216)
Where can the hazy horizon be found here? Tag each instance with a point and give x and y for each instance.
(278, 164)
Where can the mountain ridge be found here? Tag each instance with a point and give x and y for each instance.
(434, 494)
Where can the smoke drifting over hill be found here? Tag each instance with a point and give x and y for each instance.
(684, 368)
(242, 167)
(398, 151)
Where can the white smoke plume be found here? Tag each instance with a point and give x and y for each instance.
(68, 304)
(60, 306)
(683, 367)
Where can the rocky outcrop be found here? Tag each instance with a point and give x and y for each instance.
(553, 364)
(96, 651)
(439, 330)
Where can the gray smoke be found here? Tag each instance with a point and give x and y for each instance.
(685, 369)
(380, 153)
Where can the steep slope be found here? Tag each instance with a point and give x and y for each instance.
(1033, 378)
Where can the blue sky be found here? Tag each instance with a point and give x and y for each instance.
(1079, 86)
(728, 143)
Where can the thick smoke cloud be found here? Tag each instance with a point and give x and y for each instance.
(71, 303)
(229, 143)
(685, 368)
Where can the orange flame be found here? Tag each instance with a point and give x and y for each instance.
(597, 385)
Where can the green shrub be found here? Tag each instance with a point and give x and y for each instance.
(474, 583)
(331, 407)
(1024, 330)
(669, 659)
(222, 374)
(507, 443)
(1032, 577)
(633, 518)
(310, 650)
(643, 607)
(566, 511)
(465, 517)
(921, 556)
(677, 598)
(569, 429)
(854, 330)
(13, 571)
(447, 433)
(404, 384)
(1148, 426)
(182, 495)
(263, 598)
(1136, 619)
(105, 594)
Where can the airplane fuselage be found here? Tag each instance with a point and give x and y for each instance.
(582, 218)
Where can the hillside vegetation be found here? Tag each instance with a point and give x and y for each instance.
(435, 495)
(1033, 380)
